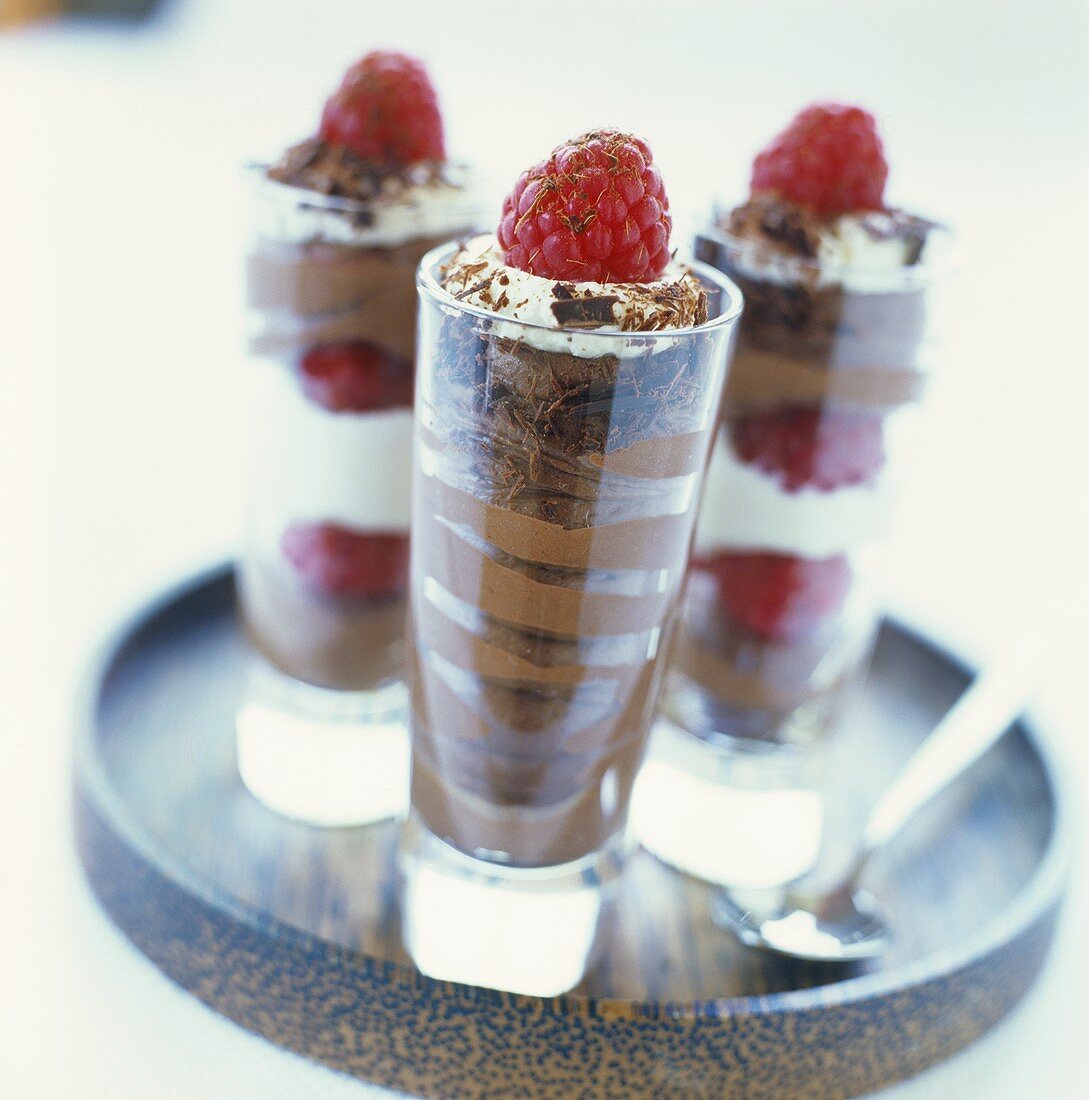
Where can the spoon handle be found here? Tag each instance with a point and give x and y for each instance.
(973, 724)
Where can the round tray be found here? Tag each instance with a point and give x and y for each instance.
(293, 932)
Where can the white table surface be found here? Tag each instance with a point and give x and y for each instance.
(120, 230)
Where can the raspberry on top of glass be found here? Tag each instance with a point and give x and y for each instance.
(594, 211)
(385, 112)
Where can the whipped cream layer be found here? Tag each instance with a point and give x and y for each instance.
(867, 252)
(403, 208)
(574, 312)
(855, 243)
(746, 509)
(353, 469)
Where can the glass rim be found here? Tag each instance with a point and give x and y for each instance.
(256, 173)
(927, 269)
(433, 290)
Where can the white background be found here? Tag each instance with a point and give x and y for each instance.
(120, 234)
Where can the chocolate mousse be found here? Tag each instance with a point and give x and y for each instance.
(564, 429)
(837, 289)
(340, 223)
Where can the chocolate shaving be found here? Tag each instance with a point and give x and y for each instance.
(315, 165)
(631, 307)
(797, 230)
(476, 288)
(529, 422)
(585, 312)
(794, 227)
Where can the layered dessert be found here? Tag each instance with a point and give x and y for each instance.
(779, 616)
(341, 221)
(570, 376)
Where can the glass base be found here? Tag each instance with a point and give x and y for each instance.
(323, 757)
(747, 814)
(531, 930)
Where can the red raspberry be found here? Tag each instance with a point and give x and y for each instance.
(595, 211)
(829, 159)
(356, 376)
(337, 561)
(804, 446)
(777, 596)
(385, 111)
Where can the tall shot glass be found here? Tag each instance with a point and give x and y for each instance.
(556, 487)
(324, 571)
(783, 599)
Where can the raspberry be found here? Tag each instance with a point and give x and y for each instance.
(337, 561)
(385, 111)
(356, 376)
(803, 446)
(777, 596)
(595, 211)
(829, 159)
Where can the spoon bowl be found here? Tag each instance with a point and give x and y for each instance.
(844, 927)
(844, 923)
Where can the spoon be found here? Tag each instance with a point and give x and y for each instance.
(843, 923)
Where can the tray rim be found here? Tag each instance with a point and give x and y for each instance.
(1042, 892)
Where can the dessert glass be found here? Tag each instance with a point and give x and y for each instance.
(557, 483)
(321, 732)
(831, 359)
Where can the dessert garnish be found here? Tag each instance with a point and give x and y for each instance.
(583, 243)
(381, 132)
(594, 211)
(829, 159)
(385, 111)
(817, 191)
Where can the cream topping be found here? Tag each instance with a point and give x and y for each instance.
(575, 312)
(746, 509)
(863, 252)
(402, 208)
